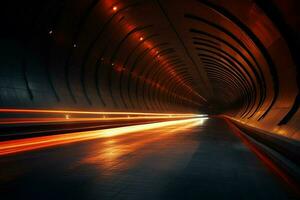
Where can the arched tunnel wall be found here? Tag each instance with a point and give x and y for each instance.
(238, 58)
(86, 55)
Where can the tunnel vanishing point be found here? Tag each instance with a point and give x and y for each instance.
(85, 65)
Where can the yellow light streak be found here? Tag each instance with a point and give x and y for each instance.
(21, 145)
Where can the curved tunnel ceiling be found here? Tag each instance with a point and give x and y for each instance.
(227, 56)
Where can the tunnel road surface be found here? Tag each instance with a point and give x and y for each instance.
(197, 160)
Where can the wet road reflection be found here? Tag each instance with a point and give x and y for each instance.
(196, 160)
(111, 153)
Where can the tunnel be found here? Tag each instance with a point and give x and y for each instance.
(150, 99)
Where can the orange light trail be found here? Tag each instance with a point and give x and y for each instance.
(70, 119)
(82, 116)
(41, 111)
(22, 145)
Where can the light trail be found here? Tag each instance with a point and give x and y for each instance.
(42, 111)
(33, 116)
(22, 145)
(79, 119)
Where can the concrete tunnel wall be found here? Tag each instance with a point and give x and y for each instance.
(237, 58)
